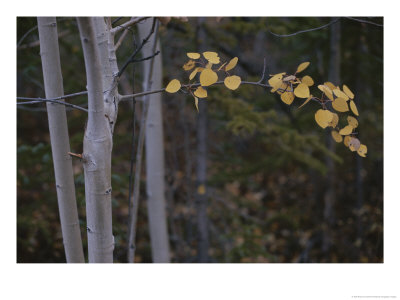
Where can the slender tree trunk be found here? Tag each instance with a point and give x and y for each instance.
(330, 193)
(97, 146)
(201, 167)
(155, 179)
(59, 138)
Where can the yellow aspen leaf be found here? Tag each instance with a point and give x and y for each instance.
(340, 104)
(353, 107)
(196, 103)
(173, 86)
(362, 150)
(302, 66)
(338, 93)
(287, 97)
(348, 92)
(232, 82)
(232, 63)
(201, 189)
(276, 80)
(354, 144)
(346, 140)
(336, 136)
(193, 55)
(307, 80)
(189, 65)
(289, 78)
(334, 121)
(208, 77)
(195, 71)
(220, 68)
(352, 121)
(326, 90)
(330, 85)
(323, 117)
(212, 57)
(302, 91)
(346, 130)
(200, 92)
(305, 102)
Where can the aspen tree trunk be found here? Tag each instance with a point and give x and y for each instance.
(201, 167)
(53, 83)
(97, 146)
(155, 180)
(330, 194)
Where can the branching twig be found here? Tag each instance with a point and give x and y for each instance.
(132, 57)
(53, 101)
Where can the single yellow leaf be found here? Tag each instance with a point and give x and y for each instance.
(173, 86)
(305, 102)
(330, 85)
(189, 65)
(276, 80)
(338, 93)
(232, 82)
(340, 104)
(348, 92)
(193, 55)
(352, 121)
(346, 140)
(336, 136)
(201, 189)
(280, 89)
(323, 117)
(302, 91)
(362, 150)
(232, 63)
(307, 80)
(196, 103)
(346, 130)
(326, 90)
(334, 121)
(302, 66)
(354, 144)
(353, 107)
(195, 71)
(212, 57)
(200, 92)
(289, 78)
(287, 97)
(208, 77)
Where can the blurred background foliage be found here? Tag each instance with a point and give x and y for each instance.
(267, 171)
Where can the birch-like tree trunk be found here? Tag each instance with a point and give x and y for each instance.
(53, 83)
(155, 180)
(97, 146)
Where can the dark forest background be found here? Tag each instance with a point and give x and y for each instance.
(270, 166)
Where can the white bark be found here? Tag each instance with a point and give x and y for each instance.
(155, 187)
(53, 83)
(97, 148)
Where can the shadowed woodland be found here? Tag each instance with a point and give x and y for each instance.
(248, 178)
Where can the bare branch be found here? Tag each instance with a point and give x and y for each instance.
(53, 101)
(56, 98)
(306, 30)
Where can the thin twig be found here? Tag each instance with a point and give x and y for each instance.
(56, 98)
(132, 57)
(53, 101)
(127, 24)
(121, 39)
(306, 30)
(364, 21)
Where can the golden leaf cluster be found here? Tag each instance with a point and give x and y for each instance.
(205, 68)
